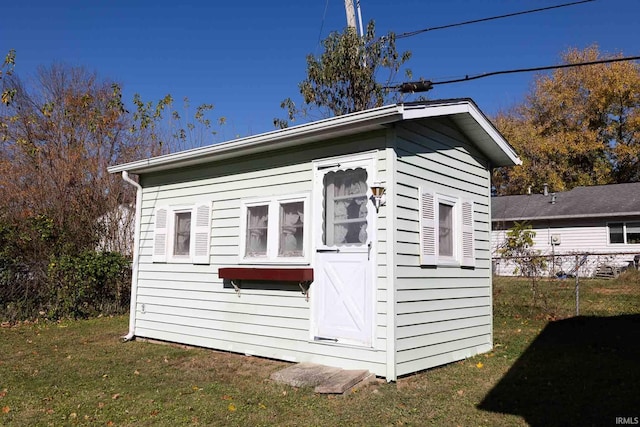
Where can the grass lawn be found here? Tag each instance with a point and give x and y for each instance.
(546, 369)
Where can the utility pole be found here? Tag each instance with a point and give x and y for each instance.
(351, 14)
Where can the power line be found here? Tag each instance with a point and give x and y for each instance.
(425, 85)
(475, 21)
(324, 15)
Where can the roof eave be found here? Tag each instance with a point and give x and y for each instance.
(282, 138)
(575, 216)
(464, 112)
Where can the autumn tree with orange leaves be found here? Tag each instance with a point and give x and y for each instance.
(577, 126)
(65, 223)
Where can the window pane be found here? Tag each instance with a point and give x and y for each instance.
(615, 233)
(182, 237)
(291, 229)
(345, 216)
(257, 221)
(445, 230)
(633, 232)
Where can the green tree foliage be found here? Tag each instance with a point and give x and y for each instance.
(6, 70)
(577, 126)
(348, 76)
(518, 247)
(167, 129)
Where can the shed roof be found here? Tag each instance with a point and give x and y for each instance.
(613, 200)
(464, 112)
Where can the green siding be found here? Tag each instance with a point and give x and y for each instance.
(443, 313)
(190, 303)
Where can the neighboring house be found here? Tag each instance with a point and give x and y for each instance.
(601, 220)
(273, 245)
(118, 226)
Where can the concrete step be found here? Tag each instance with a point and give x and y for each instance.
(325, 379)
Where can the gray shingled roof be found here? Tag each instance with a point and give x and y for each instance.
(596, 201)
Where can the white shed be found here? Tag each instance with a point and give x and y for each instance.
(275, 245)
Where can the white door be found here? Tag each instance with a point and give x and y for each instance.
(343, 265)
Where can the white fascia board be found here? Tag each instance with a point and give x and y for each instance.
(332, 127)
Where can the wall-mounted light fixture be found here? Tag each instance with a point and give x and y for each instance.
(377, 196)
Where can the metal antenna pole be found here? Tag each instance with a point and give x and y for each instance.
(359, 18)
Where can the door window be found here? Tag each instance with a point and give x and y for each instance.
(345, 207)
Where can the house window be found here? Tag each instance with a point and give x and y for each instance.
(291, 230)
(446, 230)
(624, 233)
(257, 231)
(274, 230)
(182, 234)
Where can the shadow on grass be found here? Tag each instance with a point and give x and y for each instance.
(580, 371)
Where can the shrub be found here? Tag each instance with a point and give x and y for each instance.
(89, 284)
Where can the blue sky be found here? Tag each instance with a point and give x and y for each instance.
(245, 57)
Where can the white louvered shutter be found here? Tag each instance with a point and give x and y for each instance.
(468, 250)
(428, 247)
(160, 235)
(202, 234)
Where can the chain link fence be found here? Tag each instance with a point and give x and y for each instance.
(556, 285)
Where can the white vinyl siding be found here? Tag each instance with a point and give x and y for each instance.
(190, 304)
(443, 313)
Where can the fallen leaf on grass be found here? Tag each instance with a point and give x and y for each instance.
(136, 372)
(3, 393)
(232, 407)
(116, 396)
(479, 365)
(261, 406)
(226, 397)
(460, 392)
(6, 409)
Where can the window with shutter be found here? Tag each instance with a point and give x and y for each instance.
(182, 234)
(202, 234)
(160, 236)
(446, 230)
(428, 229)
(468, 238)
